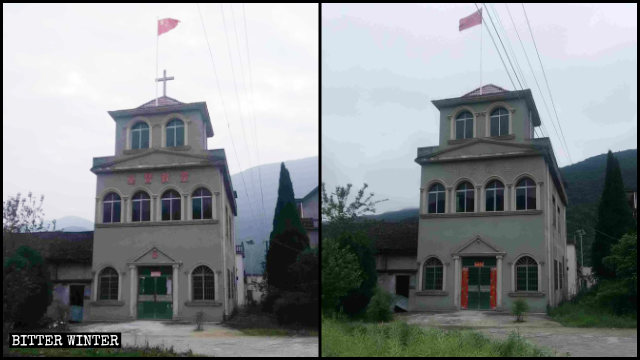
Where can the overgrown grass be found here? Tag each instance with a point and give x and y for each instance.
(584, 310)
(342, 338)
(585, 314)
(96, 352)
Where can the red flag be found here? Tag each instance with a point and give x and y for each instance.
(471, 20)
(167, 24)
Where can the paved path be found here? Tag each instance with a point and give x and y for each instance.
(214, 340)
(540, 330)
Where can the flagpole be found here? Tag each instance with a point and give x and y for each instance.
(157, 40)
(481, 23)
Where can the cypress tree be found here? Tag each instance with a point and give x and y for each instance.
(614, 218)
(288, 237)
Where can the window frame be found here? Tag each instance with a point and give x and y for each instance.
(533, 187)
(208, 292)
(465, 120)
(134, 200)
(437, 199)
(201, 197)
(110, 276)
(527, 266)
(499, 117)
(138, 129)
(469, 188)
(433, 263)
(164, 197)
(495, 190)
(111, 202)
(174, 128)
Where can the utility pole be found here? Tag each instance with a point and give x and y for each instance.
(581, 232)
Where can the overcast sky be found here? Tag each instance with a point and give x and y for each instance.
(65, 66)
(383, 64)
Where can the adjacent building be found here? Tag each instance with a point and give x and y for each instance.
(308, 209)
(492, 208)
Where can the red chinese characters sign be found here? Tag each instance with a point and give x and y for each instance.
(478, 264)
(164, 178)
(464, 293)
(492, 291)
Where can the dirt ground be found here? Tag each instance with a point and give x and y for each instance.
(539, 329)
(214, 340)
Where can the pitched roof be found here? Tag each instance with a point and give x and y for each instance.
(395, 237)
(54, 246)
(162, 101)
(486, 90)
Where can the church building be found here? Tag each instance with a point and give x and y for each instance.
(164, 243)
(492, 208)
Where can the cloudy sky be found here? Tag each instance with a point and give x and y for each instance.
(382, 64)
(65, 66)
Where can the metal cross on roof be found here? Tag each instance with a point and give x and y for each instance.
(164, 80)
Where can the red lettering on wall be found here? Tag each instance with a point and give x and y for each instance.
(131, 180)
(154, 254)
(184, 176)
(164, 177)
(147, 178)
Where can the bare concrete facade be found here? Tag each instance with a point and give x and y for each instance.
(154, 257)
(494, 239)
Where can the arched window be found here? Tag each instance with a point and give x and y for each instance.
(526, 274)
(171, 205)
(108, 284)
(140, 207)
(432, 274)
(526, 194)
(202, 281)
(140, 136)
(111, 208)
(175, 133)
(499, 122)
(201, 203)
(436, 199)
(464, 125)
(465, 198)
(495, 196)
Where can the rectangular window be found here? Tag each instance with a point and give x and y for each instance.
(146, 211)
(166, 214)
(495, 127)
(532, 278)
(197, 210)
(180, 136)
(106, 213)
(144, 142)
(207, 205)
(175, 209)
(135, 140)
(460, 202)
(170, 137)
(197, 288)
(504, 126)
(459, 129)
(531, 199)
(558, 216)
(490, 201)
(521, 277)
(468, 131)
(433, 278)
(520, 199)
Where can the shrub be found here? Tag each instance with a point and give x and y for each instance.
(296, 307)
(519, 309)
(617, 296)
(379, 308)
(356, 300)
(27, 290)
(199, 320)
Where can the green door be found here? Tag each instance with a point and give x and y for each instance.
(155, 299)
(479, 282)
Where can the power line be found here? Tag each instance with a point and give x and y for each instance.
(546, 81)
(224, 109)
(235, 86)
(500, 55)
(506, 54)
(511, 51)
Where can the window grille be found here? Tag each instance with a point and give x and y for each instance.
(203, 283)
(433, 274)
(108, 281)
(526, 274)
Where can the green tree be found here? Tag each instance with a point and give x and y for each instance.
(285, 196)
(27, 289)
(356, 300)
(341, 273)
(614, 218)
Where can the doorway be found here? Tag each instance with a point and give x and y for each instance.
(478, 283)
(402, 285)
(76, 301)
(155, 292)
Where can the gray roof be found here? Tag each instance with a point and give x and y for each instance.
(54, 246)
